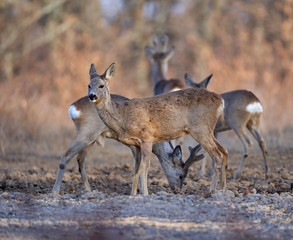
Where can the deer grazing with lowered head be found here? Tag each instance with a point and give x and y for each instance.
(159, 57)
(143, 122)
(241, 113)
(91, 129)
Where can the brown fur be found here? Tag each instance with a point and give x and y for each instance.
(143, 122)
(236, 117)
(90, 129)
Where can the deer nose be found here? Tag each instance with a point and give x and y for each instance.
(93, 97)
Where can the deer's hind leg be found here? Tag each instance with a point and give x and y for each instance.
(242, 135)
(237, 121)
(218, 154)
(203, 164)
(75, 148)
(81, 166)
(254, 129)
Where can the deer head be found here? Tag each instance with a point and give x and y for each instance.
(175, 169)
(159, 51)
(98, 89)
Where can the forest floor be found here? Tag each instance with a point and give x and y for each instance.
(251, 208)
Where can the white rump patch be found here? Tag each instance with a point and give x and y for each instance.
(73, 112)
(221, 108)
(254, 107)
(176, 89)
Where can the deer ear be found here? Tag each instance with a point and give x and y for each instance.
(149, 52)
(190, 81)
(155, 40)
(109, 73)
(93, 72)
(204, 83)
(164, 42)
(177, 154)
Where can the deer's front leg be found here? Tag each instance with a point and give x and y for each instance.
(137, 156)
(137, 168)
(146, 150)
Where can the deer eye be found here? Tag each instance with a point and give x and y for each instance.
(101, 86)
(89, 86)
(180, 177)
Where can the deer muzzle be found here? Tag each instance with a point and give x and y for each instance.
(93, 97)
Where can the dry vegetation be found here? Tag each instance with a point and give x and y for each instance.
(47, 47)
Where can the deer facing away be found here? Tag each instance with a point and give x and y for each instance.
(142, 122)
(91, 129)
(241, 113)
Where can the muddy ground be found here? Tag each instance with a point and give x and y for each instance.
(251, 208)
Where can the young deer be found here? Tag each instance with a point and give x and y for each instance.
(142, 122)
(242, 111)
(91, 129)
(159, 56)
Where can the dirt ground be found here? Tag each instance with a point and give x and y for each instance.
(251, 208)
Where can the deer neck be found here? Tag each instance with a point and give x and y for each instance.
(162, 151)
(159, 71)
(110, 113)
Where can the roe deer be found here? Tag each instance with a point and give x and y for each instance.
(242, 111)
(159, 56)
(90, 129)
(142, 122)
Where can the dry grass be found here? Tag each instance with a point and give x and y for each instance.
(40, 79)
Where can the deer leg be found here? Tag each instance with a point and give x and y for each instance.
(75, 148)
(243, 138)
(137, 156)
(81, 166)
(256, 134)
(217, 153)
(203, 164)
(213, 163)
(216, 157)
(137, 169)
(224, 165)
(146, 158)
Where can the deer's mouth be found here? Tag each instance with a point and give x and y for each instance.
(93, 97)
(93, 100)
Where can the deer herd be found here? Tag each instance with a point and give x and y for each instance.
(147, 125)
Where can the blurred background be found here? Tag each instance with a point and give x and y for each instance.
(47, 46)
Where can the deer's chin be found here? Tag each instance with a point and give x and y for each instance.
(93, 101)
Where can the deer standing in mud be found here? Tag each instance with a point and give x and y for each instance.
(91, 129)
(143, 122)
(241, 113)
